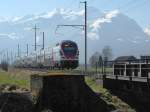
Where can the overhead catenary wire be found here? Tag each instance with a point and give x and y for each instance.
(83, 26)
(35, 31)
(73, 26)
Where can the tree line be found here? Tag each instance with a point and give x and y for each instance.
(97, 59)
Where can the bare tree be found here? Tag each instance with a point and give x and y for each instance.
(100, 61)
(4, 65)
(96, 60)
(107, 52)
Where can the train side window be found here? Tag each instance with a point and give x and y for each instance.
(61, 53)
(78, 52)
(57, 44)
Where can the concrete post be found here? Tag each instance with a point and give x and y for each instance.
(139, 73)
(125, 71)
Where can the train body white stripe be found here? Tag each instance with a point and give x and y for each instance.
(48, 57)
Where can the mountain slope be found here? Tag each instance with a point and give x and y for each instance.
(111, 28)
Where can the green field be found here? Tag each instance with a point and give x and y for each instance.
(15, 77)
(94, 69)
(107, 96)
(22, 78)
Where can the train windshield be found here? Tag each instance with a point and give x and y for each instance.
(69, 48)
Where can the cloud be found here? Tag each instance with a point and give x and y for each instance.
(72, 15)
(11, 19)
(10, 36)
(120, 39)
(147, 31)
(134, 41)
(15, 19)
(65, 13)
(96, 25)
(146, 40)
(93, 36)
(105, 19)
(47, 15)
(27, 28)
(4, 19)
(111, 14)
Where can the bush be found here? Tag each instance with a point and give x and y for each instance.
(4, 65)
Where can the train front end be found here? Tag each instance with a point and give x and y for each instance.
(69, 54)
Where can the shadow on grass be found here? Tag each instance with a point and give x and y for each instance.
(14, 102)
(70, 94)
(139, 102)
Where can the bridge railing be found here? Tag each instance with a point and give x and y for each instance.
(129, 69)
(136, 70)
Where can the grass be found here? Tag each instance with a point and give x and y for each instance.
(22, 79)
(100, 69)
(93, 69)
(107, 96)
(15, 77)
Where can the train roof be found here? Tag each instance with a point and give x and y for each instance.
(67, 41)
(63, 41)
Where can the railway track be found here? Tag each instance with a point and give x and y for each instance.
(73, 72)
(96, 74)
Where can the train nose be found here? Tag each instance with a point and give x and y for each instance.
(70, 57)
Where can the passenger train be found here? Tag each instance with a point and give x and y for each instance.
(64, 55)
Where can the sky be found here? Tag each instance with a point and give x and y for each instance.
(136, 9)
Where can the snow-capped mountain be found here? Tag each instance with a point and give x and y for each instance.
(111, 28)
(147, 30)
